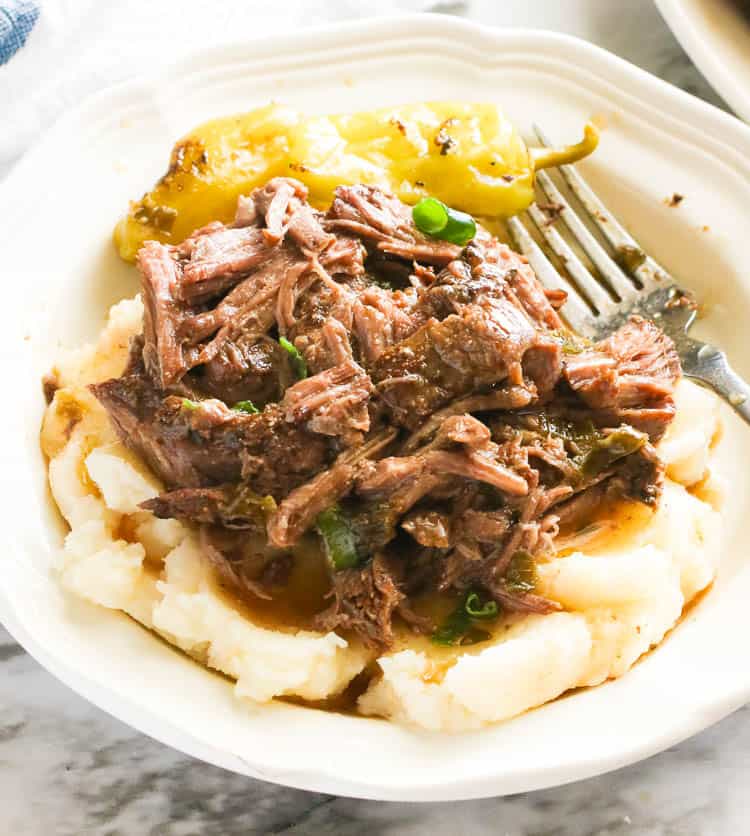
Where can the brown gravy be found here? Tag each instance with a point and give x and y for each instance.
(306, 592)
(293, 605)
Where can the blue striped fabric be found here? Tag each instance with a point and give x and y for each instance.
(17, 19)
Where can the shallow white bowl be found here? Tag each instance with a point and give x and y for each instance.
(60, 274)
(716, 35)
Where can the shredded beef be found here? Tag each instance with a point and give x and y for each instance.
(247, 369)
(237, 568)
(488, 272)
(384, 223)
(333, 402)
(629, 377)
(195, 444)
(506, 398)
(217, 257)
(436, 409)
(484, 526)
(283, 204)
(133, 404)
(640, 477)
(320, 316)
(450, 358)
(163, 314)
(250, 307)
(429, 528)
(229, 506)
(382, 318)
(365, 601)
(297, 511)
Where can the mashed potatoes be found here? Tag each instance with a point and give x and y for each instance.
(620, 593)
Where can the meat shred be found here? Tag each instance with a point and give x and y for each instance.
(421, 390)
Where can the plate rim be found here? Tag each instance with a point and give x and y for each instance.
(706, 59)
(683, 106)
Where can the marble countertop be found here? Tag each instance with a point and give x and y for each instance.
(68, 769)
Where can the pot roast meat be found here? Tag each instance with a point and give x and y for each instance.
(197, 444)
(322, 326)
(246, 369)
(429, 466)
(132, 403)
(385, 224)
(282, 203)
(365, 601)
(488, 271)
(502, 399)
(382, 318)
(229, 506)
(431, 529)
(439, 413)
(463, 429)
(265, 451)
(163, 314)
(258, 272)
(333, 402)
(297, 512)
(484, 526)
(250, 306)
(345, 256)
(219, 253)
(447, 359)
(640, 477)
(629, 377)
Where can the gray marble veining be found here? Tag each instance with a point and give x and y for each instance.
(67, 769)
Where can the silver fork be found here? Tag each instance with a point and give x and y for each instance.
(635, 285)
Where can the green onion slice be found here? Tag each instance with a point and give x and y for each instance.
(460, 229)
(338, 538)
(433, 217)
(246, 406)
(453, 630)
(189, 405)
(476, 609)
(458, 628)
(430, 216)
(297, 360)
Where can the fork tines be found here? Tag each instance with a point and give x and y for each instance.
(594, 300)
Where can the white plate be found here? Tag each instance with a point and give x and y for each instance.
(60, 273)
(716, 35)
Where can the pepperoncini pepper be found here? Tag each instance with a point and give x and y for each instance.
(467, 155)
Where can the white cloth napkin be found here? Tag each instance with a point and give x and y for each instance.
(77, 47)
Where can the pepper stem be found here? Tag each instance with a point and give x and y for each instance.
(550, 157)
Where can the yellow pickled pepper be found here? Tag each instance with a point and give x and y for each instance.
(467, 155)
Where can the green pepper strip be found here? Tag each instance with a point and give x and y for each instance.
(551, 157)
(605, 451)
(521, 575)
(458, 628)
(246, 406)
(338, 538)
(454, 629)
(297, 360)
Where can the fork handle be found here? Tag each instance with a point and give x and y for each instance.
(709, 365)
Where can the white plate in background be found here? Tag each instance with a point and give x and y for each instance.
(60, 272)
(716, 35)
